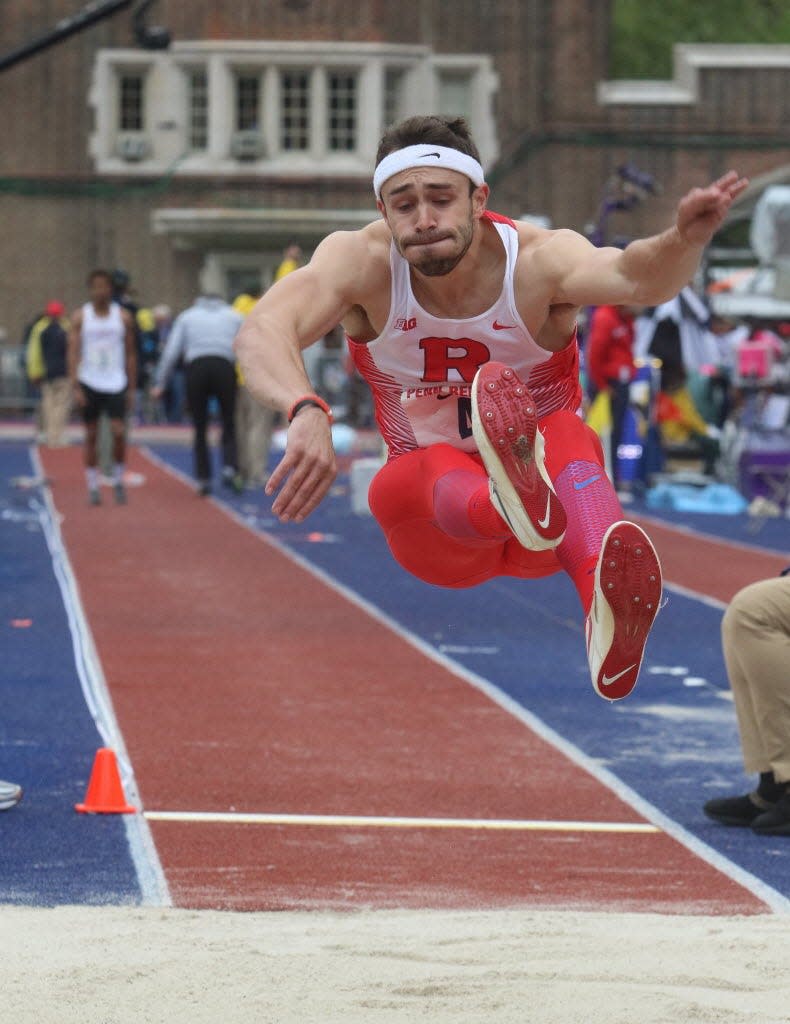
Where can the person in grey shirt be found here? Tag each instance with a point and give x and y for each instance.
(202, 337)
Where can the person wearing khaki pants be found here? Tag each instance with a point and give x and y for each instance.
(55, 409)
(756, 644)
(46, 366)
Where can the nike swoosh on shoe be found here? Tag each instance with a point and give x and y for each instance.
(626, 600)
(544, 522)
(608, 680)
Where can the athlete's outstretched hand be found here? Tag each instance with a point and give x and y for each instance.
(702, 211)
(307, 469)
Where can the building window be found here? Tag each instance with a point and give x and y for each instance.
(455, 93)
(248, 102)
(198, 110)
(394, 81)
(342, 111)
(276, 104)
(130, 100)
(294, 110)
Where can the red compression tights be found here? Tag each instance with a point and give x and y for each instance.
(434, 508)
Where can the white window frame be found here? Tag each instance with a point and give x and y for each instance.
(189, 72)
(167, 114)
(309, 73)
(355, 74)
(139, 74)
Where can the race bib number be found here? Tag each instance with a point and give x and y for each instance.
(440, 414)
(101, 358)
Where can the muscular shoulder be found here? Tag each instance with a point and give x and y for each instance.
(548, 255)
(544, 257)
(549, 247)
(357, 261)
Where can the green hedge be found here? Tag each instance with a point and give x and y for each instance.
(643, 31)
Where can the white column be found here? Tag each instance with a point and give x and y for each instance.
(220, 108)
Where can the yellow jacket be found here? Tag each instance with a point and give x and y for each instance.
(34, 357)
(678, 417)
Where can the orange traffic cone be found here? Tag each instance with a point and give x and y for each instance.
(105, 792)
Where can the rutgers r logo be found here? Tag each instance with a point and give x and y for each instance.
(402, 324)
(463, 355)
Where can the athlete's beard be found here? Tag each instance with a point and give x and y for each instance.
(438, 266)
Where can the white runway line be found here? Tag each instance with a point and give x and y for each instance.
(363, 821)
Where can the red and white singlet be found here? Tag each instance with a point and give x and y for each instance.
(421, 367)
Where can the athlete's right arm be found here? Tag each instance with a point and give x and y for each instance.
(296, 312)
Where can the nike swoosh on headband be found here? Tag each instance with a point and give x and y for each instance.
(413, 156)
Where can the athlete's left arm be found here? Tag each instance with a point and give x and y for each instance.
(649, 270)
(130, 350)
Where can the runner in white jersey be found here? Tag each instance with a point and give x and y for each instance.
(102, 368)
(463, 323)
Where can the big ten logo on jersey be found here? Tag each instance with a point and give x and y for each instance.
(405, 324)
(451, 359)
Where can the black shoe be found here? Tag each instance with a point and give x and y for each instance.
(776, 820)
(94, 496)
(737, 810)
(120, 493)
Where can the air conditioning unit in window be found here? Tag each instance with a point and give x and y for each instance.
(132, 146)
(247, 145)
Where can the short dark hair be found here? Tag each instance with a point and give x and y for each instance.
(433, 129)
(100, 273)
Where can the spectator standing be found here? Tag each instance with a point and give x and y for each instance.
(610, 365)
(47, 366)
(174, 395)
(147, 356)
(291, 260)
(102, 361)
(755, 635)
(203, 337)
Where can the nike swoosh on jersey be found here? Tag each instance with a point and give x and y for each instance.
(608, 680)
(502, 327)
(579, 485)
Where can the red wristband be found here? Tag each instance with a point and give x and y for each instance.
(305, 400)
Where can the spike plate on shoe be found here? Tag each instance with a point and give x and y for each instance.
(505, 429)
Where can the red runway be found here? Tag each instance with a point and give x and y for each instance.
(724, 568)
(244, 685)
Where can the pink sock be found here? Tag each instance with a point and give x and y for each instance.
(574, 461)
(591, 506)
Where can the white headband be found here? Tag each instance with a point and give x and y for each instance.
(426, 156)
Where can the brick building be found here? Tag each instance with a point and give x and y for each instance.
(259, 125)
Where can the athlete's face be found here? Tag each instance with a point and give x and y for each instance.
(432, 217)
(100, 290)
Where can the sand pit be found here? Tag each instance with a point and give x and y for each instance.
(110, 965)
